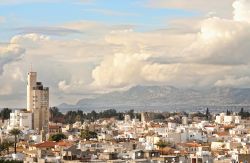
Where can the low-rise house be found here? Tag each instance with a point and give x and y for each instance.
(191, 147)
(44, 149)
(73, 153)
(244, 158)
(136, 154)
(108, 156)
(55, 129)
(151, 154)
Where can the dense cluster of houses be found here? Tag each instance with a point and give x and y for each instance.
(223, 138)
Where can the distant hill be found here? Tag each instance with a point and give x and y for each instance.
(165, 98)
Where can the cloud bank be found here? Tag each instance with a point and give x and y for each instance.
(213, 51)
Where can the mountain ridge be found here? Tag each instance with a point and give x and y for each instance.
(160, 97)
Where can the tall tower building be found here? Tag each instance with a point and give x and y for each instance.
(32, 77)
(37, 101)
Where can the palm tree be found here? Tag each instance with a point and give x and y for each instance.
(16, 133)
(161, 144)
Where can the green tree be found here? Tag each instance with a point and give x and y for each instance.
(241, 111)
(228, 112)
(159, 116)
(5, 113)
(6, 146)
(208, 115)
(161, 144)
(120, 116)
(70, 117)
(56, 115)
(244, 114)
(2, 148)
(15, 132)
(57, 137)
(87, 134)
(93, 115)
(131, 113)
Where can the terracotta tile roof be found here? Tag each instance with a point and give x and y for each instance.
(155, 126)
(46, 144)
(167, 150)
(182, 152)
(190, 144)
(227, 126)
(54, 127)
(193, 145)
(64, 143)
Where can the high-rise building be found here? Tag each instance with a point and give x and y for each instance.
(37, 101)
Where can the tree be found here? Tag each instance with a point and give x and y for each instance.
(131, 113)
(15, 132)
(208, 114)
(5, 113)
(4, 146)
(56, 115)
(79, 116)
(198, 114)
(161, 144)
(120, 116)
(241, 111)
(70, 117)
(57, 137)
(159, 116)
(244, 114)
(93, 115)
(87, 134)
(229, 112)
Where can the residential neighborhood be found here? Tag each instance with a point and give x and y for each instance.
(180, 137)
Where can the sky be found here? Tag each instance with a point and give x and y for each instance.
(81, 48)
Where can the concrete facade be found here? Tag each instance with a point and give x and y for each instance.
(20, 119)
(37, 101)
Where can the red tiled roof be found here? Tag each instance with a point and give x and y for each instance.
(190, 144)
(227, 126)
(54, 127)
(64, 143)
(46, 144)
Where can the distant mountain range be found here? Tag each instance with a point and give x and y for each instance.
(165, 98)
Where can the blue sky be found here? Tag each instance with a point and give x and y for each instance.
(111, 12)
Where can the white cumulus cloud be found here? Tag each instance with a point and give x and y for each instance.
(242, 10)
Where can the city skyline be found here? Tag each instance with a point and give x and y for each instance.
(85, 47)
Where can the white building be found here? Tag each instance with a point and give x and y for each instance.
(227, 119)
(20, 119)
(127, 119)
(37, 101)
(184, 120)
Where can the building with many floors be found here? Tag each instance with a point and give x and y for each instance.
(37, 101)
